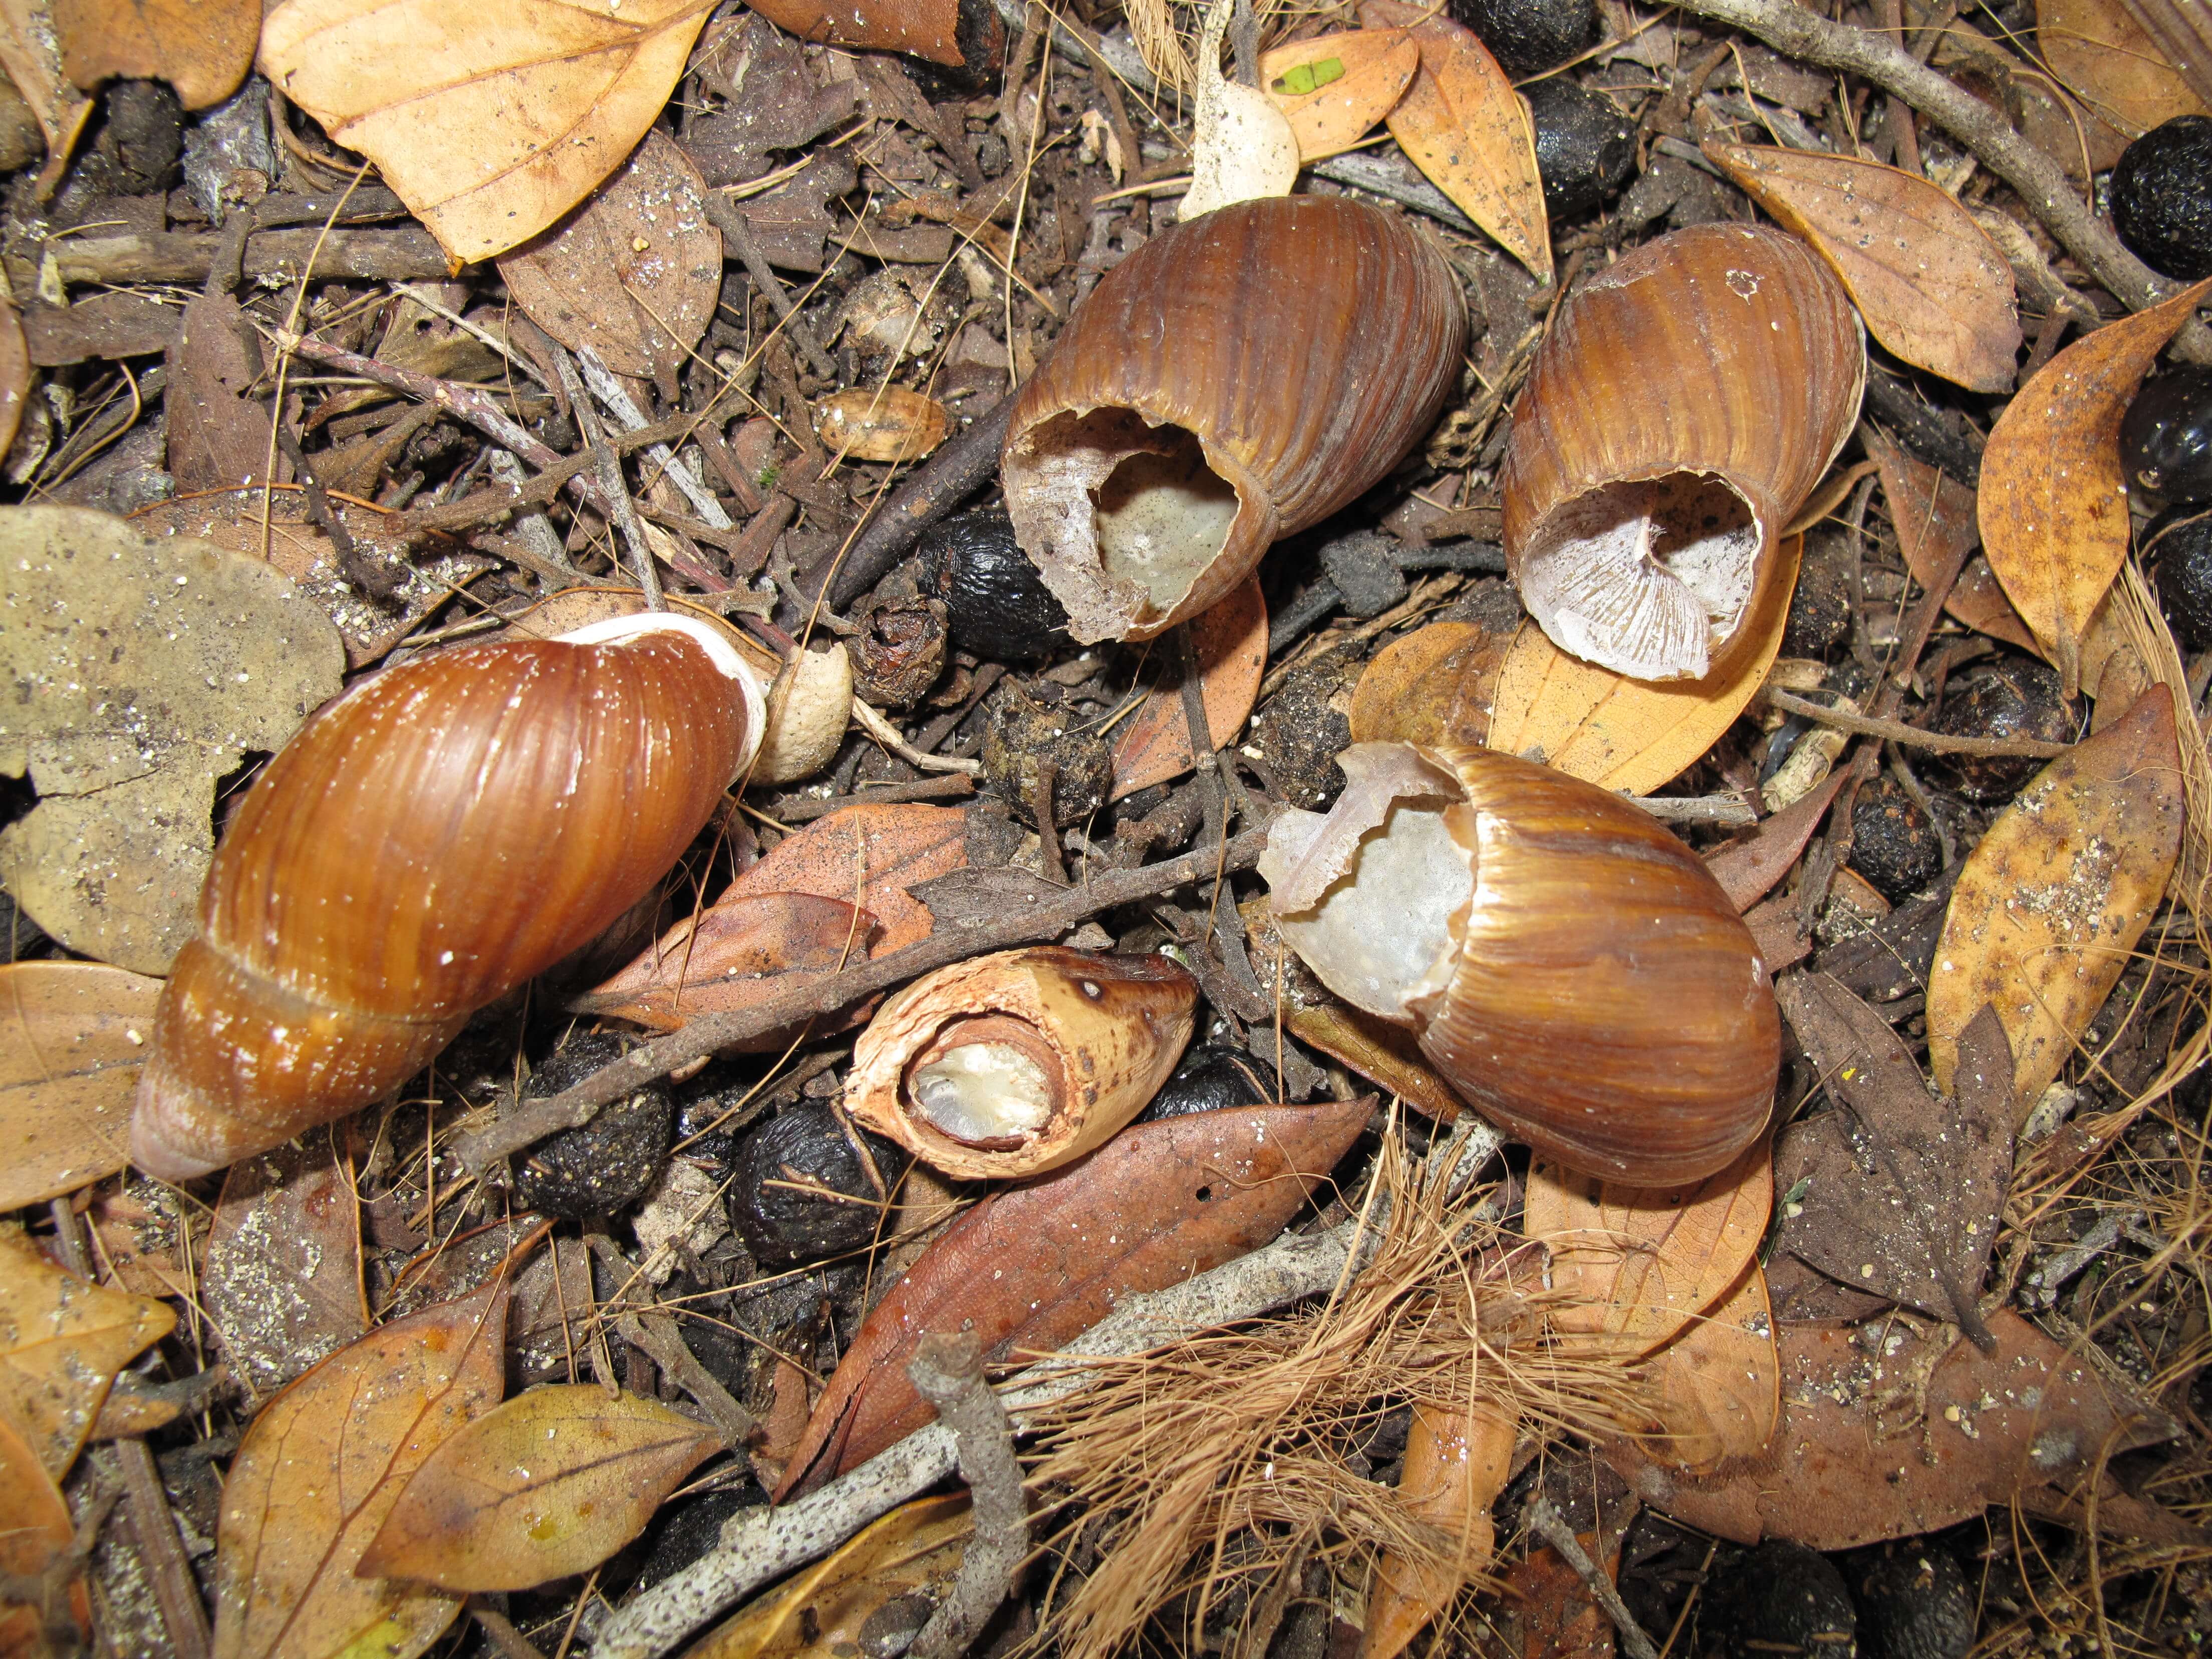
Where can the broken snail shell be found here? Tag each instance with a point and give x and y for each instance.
(1684, 405)
(1019, 1062)
(1235, 379)
(444, 831)
(1570, 968)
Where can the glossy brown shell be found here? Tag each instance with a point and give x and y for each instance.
(1730, 350)
(1609, 1006)
(1306, 342)
(443, 832)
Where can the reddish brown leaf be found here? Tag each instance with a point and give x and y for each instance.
(1933, 514)
(219, 431)
(1231, 643)
(201, 47)
(869, 856)
(925, 28)
(14, 374)
(1863, 1454)
(740, 951)
(282, 1282)
(1746, 869)
(1456, 1465)
(1378, 1051)
(33, 1554)
(1718, 1387)
(1033, 1265)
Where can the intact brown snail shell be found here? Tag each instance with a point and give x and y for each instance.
(1235, 379)
(1572, 969)
(444, 831)
(1018, 1062)
(1684, 405)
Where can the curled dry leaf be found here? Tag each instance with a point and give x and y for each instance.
(551, 1483)
(321, 1466)
(62, 1342)
(1747, 869)
(72, 1038)
(2053, 899)
(1334, 89)
(1230, 640)
(1462, 124)
(32, 57)
(1381, 1053)
(1717, 1388)
(2053, 500)
(201, 47)
(1928, 281)
(1646, 1261)
(282, 1280)
(634, 273)
(1456, 1465)
(1623, 733)
(45, 1592)
(1933, 514)
(867, 856)
(1033, 1265)
(489, 120)
(735, 955)
(888, 423)
(831, 1606)
(1867, 1450)
(223, 656)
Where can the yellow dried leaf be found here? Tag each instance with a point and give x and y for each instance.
(886, 424)
(1719, 1387)
(492, 118)
(1623, 733)
(1334, 89)
(553, 1482)
(320, 1468)
(61, 1343)
(2053, 500)
(1462, 124)
(1926, 280)
(75, 1035)
(1647, 1260)
(1456, 1465)
(1434, 687)
(2053, 899)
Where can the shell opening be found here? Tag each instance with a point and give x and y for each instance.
(986, 1082)
(1647, 577)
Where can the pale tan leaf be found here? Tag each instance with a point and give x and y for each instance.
(1646, 1261)
(2104, 55)
(881, 423)
(1719, 1387)
(1926, 280)
(2052, 902)
(1230, 640)
(321, 1466)
(201, 47)
(61, 1343)
(634, 273)
(1334, 89)
(72, 1038)
(1456, 1465)
(1623, 733)
(33, 58)
(1462, 124)
(2053, 499)
(1434, 686)
(1241, 147)
(492, 118)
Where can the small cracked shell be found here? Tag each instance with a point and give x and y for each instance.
(1019, 1062)
(1572, 969)
(1236, 379)
(1682, 408)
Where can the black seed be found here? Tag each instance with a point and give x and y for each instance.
(800, 1192)
(1528, 35)
(2162, 197)
(2184, 576)
(1209, 1079)
(999, 607)
(1894, 844)
(2013, 698)
(608, 1164)
(2166, 441)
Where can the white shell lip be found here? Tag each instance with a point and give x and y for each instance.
(720, 651)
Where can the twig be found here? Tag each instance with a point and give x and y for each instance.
(730, 219)
(870, 720)
(656, 1336)
(1043, 785)
(629, 418)
(941, 483)
(608, 470)
(1551, 1527)
(1696, 809)
(947, 1370)
(956, 786)
(757, 1547)
(1912, 736)
(709, 1032)
(504, 1636)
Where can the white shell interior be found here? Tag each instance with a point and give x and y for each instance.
(1162, 518)
(982, 1091)
(1647, 577)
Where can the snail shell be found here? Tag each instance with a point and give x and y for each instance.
(444, 831)
(1235, 379)
(1686, 402)
(1572, 969)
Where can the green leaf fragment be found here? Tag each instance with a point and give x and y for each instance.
(1303, 78)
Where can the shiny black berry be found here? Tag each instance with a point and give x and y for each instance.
(2011, 698)
(2166, 441)
(1528, 35)
(1000, 607)
(1585, 147)
(2184, 575)
(800, 1191)
(2162, 197)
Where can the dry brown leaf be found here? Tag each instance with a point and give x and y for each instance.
(283, 1281)
(218, 430)
(1456, 1465)
(1928, 281)
(867, 856)
(201, 47)
(551, 1483)
(1746, 870)
(1334, 89)
(740, 952)
(2053, 899)
(2105, 57)
(1560, 1618)
(14, 374)
(61, 1343)
(1933, 514)
(1384, 1054)
(928, 28)
(1230, 640)
(1625, 734)
(887, 424)
(32, 57)
(492, 118)
(634, 273)
(2053, 503)
(72, 1038)
(1647, 1261)
(35, 1548)
(830, 1607)
(1462, 124)
(1718, 1387)
(320, 1467)
(1434, 687)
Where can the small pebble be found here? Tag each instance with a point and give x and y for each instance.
(2013, 698)
(2162, 197)
(1585, 147)
(604, 1165)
